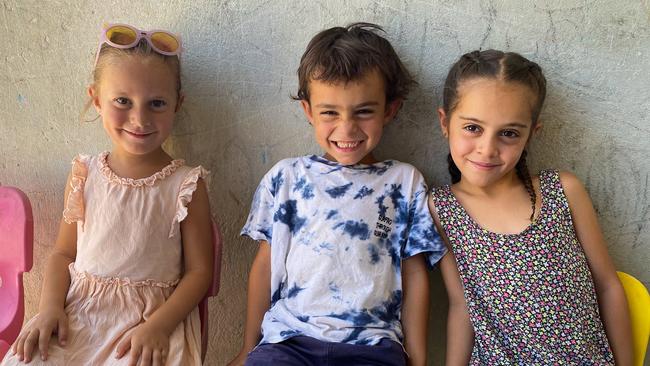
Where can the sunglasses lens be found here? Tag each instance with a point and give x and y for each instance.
(120, 35)
(164, 42)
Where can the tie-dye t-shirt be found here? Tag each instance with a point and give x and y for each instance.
(338, 235)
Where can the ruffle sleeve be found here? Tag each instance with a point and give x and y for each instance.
(74, 207)
(185, 196)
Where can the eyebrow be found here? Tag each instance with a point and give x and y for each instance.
(125, 94)
(511, 124)
(334, 106)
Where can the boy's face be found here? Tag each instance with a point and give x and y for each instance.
(349, 118)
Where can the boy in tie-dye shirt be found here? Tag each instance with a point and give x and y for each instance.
(340, 275)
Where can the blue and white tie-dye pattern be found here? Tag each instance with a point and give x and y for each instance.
(338, 235)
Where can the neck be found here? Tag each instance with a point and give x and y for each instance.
(135, 166)
(504, 184)
(155, 157)
(368, 159)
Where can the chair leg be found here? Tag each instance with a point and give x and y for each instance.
(4, 348)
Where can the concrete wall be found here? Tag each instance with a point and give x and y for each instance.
(238, 120)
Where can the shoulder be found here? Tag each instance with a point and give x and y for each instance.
(404, 172)
(410, 177)
(402, 166)
(440, 189)
(80, 164)
(570, 182)
(178, 165)
(283, 171)
(439, 198)
(566, 178)
(85, 159)
(573, 188)
(190, 179)
(289, 164)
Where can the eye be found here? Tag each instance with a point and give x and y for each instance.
(328, 113)
(510, 133)
(158, 103)
(365, 111)
(472, 128)
(122, 101)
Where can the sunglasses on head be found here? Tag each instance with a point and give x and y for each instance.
(124, 36)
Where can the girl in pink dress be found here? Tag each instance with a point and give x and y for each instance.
(133, 257)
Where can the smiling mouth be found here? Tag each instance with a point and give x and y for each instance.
(139, 135)
(347, 145)
(484, 165)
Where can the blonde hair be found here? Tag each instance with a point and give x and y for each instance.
(108, 54)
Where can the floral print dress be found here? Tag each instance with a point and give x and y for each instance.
(530, 296)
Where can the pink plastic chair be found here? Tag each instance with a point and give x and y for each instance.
(213, 290)
(16, 256)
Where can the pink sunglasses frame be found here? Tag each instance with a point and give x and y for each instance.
(139, 35)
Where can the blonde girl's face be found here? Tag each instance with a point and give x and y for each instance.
(489, 129)
(137, 100)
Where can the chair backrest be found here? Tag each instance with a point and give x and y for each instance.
(638, 301)
(213, 290)
(16, 257)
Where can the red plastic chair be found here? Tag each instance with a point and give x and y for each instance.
(16, 257)
(213, 290)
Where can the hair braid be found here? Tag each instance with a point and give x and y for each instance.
(524, 175)
(453, 170)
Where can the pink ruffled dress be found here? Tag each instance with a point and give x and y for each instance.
(129, 260)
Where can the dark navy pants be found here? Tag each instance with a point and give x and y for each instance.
(306, 351)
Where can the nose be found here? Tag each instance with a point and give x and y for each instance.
(139, 117)
(488, 145)
(348, 123)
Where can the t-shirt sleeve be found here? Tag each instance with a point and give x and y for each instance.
(422, 236)
(259, 225)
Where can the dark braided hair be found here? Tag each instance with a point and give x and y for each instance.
(506, 66)
(524, 175)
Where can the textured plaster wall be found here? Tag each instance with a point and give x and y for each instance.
(238, 119)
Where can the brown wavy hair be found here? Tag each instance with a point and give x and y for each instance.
(343, 54)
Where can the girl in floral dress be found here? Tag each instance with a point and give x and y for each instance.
(528, 275)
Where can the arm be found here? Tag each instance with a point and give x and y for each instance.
(51, 316)
(151, 339)
(611, 298)
(460, 334)
(415, 308)
(259, 300)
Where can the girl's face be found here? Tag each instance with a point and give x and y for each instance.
(137, 100)
(489, 129)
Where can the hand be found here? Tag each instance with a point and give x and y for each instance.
(40, 331)
(239, 360)
(148, 344)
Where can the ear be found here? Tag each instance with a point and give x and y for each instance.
(179, 102)
(444, 122)
(391, 110)
(534, 131)
(306, 108)
(93, 93)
